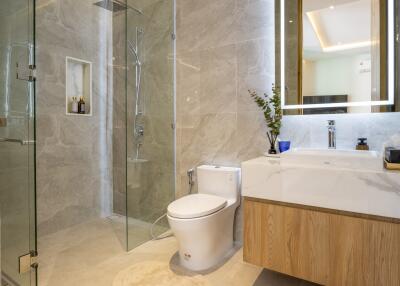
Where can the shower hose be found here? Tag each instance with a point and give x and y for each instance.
(168, 234)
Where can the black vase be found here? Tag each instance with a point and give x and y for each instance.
(272, 150)
(272, 142)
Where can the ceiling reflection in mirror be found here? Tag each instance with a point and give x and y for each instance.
(338, 56)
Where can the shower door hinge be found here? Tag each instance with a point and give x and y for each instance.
(28, 262)
(173, 36)
(26, 74)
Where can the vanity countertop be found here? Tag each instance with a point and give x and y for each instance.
(363, 191)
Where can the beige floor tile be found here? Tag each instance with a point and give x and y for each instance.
(92, 254)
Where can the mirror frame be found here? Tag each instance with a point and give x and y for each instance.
(390, 66)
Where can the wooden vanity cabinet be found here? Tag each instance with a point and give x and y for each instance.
(322, 247)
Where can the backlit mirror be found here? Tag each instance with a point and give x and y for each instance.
(336, 56)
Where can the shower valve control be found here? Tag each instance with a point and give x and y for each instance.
(139, 131)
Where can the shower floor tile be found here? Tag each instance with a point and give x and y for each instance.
(92, 254)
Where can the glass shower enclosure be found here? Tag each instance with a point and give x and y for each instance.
(147, 166)
(17, 143)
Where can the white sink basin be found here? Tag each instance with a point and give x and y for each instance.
(352, 181)
(334, 158)
(333, 152)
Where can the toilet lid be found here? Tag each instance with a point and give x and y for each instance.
(197, 205)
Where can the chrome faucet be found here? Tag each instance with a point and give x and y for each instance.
(331, 134)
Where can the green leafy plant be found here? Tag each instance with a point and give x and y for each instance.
(271, 107)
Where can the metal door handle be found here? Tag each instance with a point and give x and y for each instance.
(20, 141)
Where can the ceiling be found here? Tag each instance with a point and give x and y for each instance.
(314, 5)
(333, 27)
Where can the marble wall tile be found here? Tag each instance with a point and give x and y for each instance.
(253, 20)
(224, 48)
(255, 71)
(74, 180)
(189, 87)
(310, 131)
(195, 32)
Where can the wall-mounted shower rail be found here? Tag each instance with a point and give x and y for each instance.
(138, 65)
(138, 129)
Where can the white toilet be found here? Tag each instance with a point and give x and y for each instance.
(203, 222)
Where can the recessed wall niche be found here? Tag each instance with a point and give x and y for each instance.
(78, 84)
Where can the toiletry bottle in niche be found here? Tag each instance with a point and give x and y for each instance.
(81, 105)
(74, 106)
(362, 144)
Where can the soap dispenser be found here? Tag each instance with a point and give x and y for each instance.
(362, 144)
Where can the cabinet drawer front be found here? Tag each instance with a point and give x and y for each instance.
(286, 240)
(325, 248)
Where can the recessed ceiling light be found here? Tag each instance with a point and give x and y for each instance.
(344, 47)
(290, 21)
(331, 7)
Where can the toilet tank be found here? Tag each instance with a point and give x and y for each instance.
(219, 181)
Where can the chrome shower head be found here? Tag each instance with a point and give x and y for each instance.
(111, 5)
(116, 6)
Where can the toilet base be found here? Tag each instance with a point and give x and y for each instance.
(204, 242)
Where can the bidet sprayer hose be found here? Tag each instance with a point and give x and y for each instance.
(190, 174)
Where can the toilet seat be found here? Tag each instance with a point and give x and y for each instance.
(194, 206)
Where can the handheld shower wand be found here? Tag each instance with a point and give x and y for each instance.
(135, 53)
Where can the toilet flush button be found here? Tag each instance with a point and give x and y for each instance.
(187, 256)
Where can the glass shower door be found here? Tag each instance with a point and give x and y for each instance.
(17, 148)
(150, 118)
